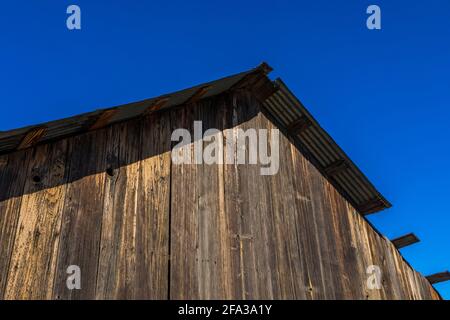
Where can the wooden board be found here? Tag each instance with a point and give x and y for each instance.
(405, 240)
(12, 183)
(82, 214)
(134, 257)
(33, 261)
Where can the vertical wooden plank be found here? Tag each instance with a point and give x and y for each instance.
(305, 228)
(200, 224)
(152, 228)
(419, 290)
(378, 256)
(227, 225)
(433, 292)
(279, 239)
(13, 171)
(209, 276)
(355, 273)
(393, 285)
(369, 253)
(134, 243)
(316, 288)
(184, 228)
(117, 264)
(108, 274)
(82, 214)
(33, 261)
(323, 218)
(288, 249)
(233, 214)
(127, 199)
(212, 257)
(117, 261)
(402, 275)
(370, 256)
(255, 195)
(351, 279)
(363, 258)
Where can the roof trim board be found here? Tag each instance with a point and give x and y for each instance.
(405, 240)
(439, 277)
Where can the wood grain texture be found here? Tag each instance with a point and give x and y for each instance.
(134, 241)
(184, 229)
(12, 182)
(140, 226)
(33, 260)
(82, 215)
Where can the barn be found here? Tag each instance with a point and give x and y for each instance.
(101, 191)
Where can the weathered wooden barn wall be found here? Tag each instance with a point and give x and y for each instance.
(141, 227)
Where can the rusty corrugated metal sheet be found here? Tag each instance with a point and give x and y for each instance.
(282, 105)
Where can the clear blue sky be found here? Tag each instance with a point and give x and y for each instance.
(383, 95)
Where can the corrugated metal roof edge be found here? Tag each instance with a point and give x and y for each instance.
(334, 145)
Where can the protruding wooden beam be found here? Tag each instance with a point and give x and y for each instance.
(198, 94)
(371, 206)
(264, 67)
(249, 80)
(32, 137)
(103, 119)
(439, 277)
(156, 105)
(298, 126)
(406, 240)
(336, 167)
